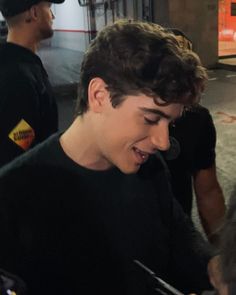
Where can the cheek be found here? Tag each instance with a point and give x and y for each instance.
(136, 130)
(124, 127)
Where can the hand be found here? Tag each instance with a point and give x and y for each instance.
(215, 276)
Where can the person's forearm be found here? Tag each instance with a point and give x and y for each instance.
(211, 207)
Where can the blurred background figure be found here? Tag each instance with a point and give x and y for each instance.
(28, 111)
(194, 167)
(227, 257)
(222, 268)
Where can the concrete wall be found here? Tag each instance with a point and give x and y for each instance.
(161, 12)
(198, 19)
(71, 26)
(77, 41)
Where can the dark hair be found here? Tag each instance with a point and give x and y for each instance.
(182, 38)
(228, 244)
(138, 57)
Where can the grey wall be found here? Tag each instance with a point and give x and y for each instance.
(161, 12)
(70, 40)
(197, 18)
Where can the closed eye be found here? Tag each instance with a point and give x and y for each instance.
(151, 122)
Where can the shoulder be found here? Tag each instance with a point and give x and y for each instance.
(36, 182)
(33, 158)
(196, 114)
(18, 73)
(16, 78)
(194, 123)
(18, 89)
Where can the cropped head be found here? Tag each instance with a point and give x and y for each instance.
(137, 57)
(10, 8)
(29, 18)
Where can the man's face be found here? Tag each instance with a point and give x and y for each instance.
(134, 130)
(45, 19)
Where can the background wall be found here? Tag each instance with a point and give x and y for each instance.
(198, 19)
(75, 25)
(71, 26)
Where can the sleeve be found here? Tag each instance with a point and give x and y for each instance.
(19, 118)
(32, 237)
(190, 253)
(204, 155)
(13, 241)
(23, 229)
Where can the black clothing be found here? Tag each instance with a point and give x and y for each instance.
(66, 229)
(196, 134)
(28, 111)
(10, 283)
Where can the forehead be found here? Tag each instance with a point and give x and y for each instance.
(147, 104)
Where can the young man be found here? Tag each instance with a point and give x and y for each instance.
(80, 208)
(28, 111)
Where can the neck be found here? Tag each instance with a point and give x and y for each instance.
(79, 144)
(22, 39)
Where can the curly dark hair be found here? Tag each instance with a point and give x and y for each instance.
(135, 57)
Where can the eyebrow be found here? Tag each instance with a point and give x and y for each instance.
(157, 112)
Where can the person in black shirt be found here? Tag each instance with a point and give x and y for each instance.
(79, 209)
(195, 167)
(28, 111)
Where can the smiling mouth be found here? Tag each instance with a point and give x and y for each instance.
(140, 155)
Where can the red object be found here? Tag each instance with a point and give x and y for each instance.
(227, 22)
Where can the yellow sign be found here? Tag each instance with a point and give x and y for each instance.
(22, 135)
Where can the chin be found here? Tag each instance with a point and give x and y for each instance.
(129, 170)
(47, 34)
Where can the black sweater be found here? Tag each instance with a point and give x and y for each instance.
(69, 230)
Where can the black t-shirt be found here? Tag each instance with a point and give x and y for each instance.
(28, 111)
(66, 229)
(196, 135)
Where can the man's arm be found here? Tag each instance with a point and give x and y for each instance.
(19, 121)
(210, 200)
(190, 255)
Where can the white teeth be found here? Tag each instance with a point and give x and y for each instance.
(142, 154)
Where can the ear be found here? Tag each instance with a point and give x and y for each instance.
(98, 95)
(31, 14)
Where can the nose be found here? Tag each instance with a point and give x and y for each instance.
(160, 137)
